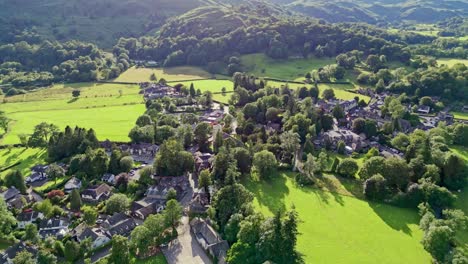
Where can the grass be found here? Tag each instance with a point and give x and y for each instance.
(261, 65)
(451, 62)
(28, 158)
(52, 184)
(460, 115)
(158, 259)
(214, 86)
(341, 229)
(134, 75)
(342, 91)
(110, 109)
(4, 245)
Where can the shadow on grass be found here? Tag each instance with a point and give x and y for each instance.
(73, 100)
(270, 193)
(396, 218)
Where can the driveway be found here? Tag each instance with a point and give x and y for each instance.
(185, 249)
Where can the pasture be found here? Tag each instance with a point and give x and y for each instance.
(451, 62)
(27, 158)
(214, 86)
(342, 91)
(110, 109)
(460, 115)
(135, 75)
(341, 229)
(261, 65)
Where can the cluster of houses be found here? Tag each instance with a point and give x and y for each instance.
(153, 91)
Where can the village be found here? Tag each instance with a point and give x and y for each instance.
(194, 200)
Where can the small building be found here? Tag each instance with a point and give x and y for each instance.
(72, 184)
(424, 109)
(203, 161)
(28, 217)
(143, 208)
(35, 177)
(10, 193)
(119, 224)
(108, 178)
(56, 227)
(199, 203)
(10, 253)
(98, 236)
(97, 193)
(209, 239)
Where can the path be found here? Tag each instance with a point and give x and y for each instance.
(185, 249)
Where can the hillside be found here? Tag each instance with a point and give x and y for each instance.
(380, 10)
(101, 22)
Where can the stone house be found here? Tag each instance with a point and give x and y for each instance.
(209, 239)
(97, 193)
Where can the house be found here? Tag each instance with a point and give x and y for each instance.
(465, 108)
(424, 109)
(35, 177)
(203, 161)
(157, 192)
(10, 193)
(143, 208)
(355, 141)
(209, 239)
(348, 105)
(97, 193)
(10, 253)
(27, 217)
(109, 178)
(119, 224)
(72, 184)
(57, 227)
(97, 235)
(212, 117)
(199, 203)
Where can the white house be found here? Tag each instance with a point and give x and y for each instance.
(28, 217)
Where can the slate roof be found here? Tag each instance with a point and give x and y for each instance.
(11, 252)
(10, 193)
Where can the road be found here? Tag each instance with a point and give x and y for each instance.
(185, 249)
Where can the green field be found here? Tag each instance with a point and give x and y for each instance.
(261, 65)
(158, 259)
(134, 75)
(214, 86)
(28, 158)
(341, 229)
(460, 115)
(342, 91)
(451, 62)
(110, 109)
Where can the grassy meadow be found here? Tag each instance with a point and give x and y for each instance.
(338, 228)
(261, 65)
(134, 75)
(214, 86)
(460, 115)
(27, 156)
(110, 109)
(450, 62)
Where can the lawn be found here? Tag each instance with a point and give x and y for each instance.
(214, 86)
(451, 62)
(134, 75)
(110, 109)
(261, 65)
(460, 115)
(342, 91)
(341, 229)
(158, 259)
(28, 158)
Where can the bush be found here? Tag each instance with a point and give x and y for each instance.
(303, 179)
(375, 188)
(347, 167)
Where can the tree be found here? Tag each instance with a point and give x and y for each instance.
(204, 182)
(328, 94)
(41, 135)
(117, 203)
(146, 176)
(172, 160)
(76, 93)
(7, 219)
(4, 121)
(171, 194)
(172, 214)
(243, 159)
(348, 167)
(72, 250)
(144, 120)
(89, 215)
(454, 171)
(153, 77)
(375, 188)
(264, 163)
(15, 179)
(24, 257)
(371, 167)
(341, 147)
(75, 200)
(218, 140)
(55, 172)
(338, 112)
(140, 239)
(228, 200)
(290, 142)
(45, 257)
(126, 163)
(120, 253)
(202, 133)
(437, 241)
(30, 233)
(308, 171)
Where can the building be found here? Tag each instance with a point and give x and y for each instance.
(209, 239)
(10, 253)
(119, 224)
(203, 161)
(424, 109)
(143, 208)
(28, 217)
(98, 236)
(351, 139)
(72, 184)
(108, 178)
(97, 193)
(199, 203)
(56, 227)
(10, 193)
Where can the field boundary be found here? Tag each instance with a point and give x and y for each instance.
(296, 82)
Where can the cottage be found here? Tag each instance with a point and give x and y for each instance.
(348, 105)
(356, 142)
(209, 239)
(35, 177)
(108, 178)
(97, 236)
(119, 224)
(95, 194)
(203, 161)
(199, 203)
(11, 252)
(10, 193)
(424, 109)
(28, 217)
(157, 192)
(143, 208)
(15, 199)
(72, 184)
(57, 227)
